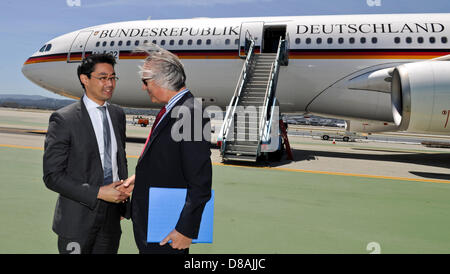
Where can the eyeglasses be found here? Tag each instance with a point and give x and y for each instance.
(105, 79)
(144, 81)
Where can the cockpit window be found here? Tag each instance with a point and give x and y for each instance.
(43, 48)
(49, 47)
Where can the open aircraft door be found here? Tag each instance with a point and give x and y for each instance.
(250, 30)
(77, 49)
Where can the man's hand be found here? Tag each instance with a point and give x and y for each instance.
(109, 193)
(127, 186)
(179, 241)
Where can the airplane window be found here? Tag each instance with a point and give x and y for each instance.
(199, 41)
(112, 44)
(330, 40)
(408, 40)
(154, 42)
(432, 40)
(297, 41)
(97, 44)
(163, 42)
(145, 42)
(43, 48)
(341, 40)
(363, 40)
(49, 46)
(128, 43)
(308, 41)
(397, 40)
(444, 40)
(120, 43)
(180, 42)
(172, 42)
(208, 41)
(351, 40)
(190, 42)
(420, 40)
(136, 43)
(319, 40)
(236, 42)
(374, 40)
(227, 41)
(104, 44)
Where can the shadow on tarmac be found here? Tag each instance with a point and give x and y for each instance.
(425, 159)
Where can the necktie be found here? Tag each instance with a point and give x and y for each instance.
(107, 166)
(158, 117)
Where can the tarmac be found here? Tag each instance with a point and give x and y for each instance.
(333, 198)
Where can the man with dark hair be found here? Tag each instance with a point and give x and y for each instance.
(84, 161)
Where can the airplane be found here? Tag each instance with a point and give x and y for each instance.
(385, 72)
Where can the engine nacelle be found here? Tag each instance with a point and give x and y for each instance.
(369, 126)
(420, 95)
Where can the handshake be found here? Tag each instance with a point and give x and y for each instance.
(117, 192)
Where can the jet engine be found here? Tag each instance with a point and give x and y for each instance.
(420, 96)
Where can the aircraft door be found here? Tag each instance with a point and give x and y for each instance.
(77, 49)
(249, 30)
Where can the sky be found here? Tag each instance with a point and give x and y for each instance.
(27, 25)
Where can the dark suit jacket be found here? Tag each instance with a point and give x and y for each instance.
(73, 168)
(174, 164)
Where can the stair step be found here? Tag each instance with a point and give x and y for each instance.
(257, 83)
(245, 143)
(233, 147)
(252, 100)
(239, 158)
(261, 78)
(240, 152)
(244, 138)
(253, 97)
(252, 85)
(253, 90)
(253, 93)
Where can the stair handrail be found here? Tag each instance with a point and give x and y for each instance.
(229, 116)
(264, 125)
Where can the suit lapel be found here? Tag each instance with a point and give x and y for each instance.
(87, 127)
(164, 122)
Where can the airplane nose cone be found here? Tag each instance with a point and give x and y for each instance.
(26, 70)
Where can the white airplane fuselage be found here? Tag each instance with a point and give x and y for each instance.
(330, 70)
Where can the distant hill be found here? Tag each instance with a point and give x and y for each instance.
(42, 102)
(32, 101)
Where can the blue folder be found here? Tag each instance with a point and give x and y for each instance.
(164, 208)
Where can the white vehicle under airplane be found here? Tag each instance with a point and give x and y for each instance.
(387, 72)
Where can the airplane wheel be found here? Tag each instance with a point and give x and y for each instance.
(325, 137)
(345, 139)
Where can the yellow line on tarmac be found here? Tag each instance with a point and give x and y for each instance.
(22, 147)
(289, 169)
(343, 174)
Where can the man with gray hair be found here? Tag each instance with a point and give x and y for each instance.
(166, 161)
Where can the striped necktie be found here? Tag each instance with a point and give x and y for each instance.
(157, 119)
(107, 165)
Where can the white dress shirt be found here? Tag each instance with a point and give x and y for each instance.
(97, 122)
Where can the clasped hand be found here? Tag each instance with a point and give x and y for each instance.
(116, 192)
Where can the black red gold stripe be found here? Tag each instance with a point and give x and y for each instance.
(368, 54)
(293, 54)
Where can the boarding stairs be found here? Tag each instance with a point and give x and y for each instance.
(248, 122)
